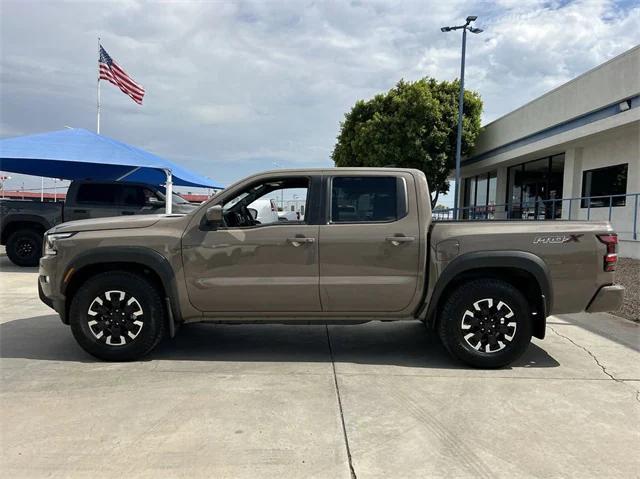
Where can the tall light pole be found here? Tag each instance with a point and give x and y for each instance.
(464, 28)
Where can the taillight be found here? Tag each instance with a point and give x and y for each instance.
(611, 258)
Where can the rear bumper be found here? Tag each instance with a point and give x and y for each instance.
(608, 298)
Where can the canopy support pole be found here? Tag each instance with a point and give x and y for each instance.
(168, 200)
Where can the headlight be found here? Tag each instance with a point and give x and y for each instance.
(50, 242)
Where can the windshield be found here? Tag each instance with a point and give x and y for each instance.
(178, 200)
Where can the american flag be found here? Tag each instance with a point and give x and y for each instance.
(111, 71)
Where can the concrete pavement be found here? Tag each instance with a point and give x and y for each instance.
(261, 401)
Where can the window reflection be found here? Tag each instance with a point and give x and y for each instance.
(480, 196)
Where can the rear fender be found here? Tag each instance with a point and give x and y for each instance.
(497, 261)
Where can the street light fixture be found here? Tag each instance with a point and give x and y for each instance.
(464, 28)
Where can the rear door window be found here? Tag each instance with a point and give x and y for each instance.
(98, 194)
(366, 199)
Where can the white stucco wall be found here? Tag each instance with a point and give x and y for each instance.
(613, 81)
(608, 141)
(622, 147)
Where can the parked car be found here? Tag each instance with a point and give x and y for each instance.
(264, 211)
(367, 250)
(23, 223)
(288, 216)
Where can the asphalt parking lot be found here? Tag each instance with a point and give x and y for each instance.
(374, 400)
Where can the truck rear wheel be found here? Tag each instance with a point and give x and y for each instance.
(485, 323)
(117, 316)
(24, 247)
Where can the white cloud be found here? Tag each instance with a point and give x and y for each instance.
(220, 114)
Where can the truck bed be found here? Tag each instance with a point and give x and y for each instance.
(569, 250)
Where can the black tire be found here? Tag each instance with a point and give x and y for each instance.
(115, 318)
(24, 247)
(477, 327)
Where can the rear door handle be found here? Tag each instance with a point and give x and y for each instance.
(396, 240)
(298, 240)
(128, 213)
(79, 211)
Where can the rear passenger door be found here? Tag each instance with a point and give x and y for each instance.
(370, 244)
(94, 200)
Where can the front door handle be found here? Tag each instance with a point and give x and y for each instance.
(396, 240)
(128, 213)
(298, 240)
(79, 211)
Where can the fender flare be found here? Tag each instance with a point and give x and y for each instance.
(13, 218)
(139, 255)
(521, 260)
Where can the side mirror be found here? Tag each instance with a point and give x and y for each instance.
(214, 214)
(254, 213)
(155, 202)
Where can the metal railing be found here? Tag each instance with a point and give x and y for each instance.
(617, 209)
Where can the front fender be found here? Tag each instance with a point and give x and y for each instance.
(137, 255)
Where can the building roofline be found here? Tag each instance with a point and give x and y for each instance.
(606, 111)
(588, 72)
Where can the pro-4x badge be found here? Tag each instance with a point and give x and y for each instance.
(557, 239)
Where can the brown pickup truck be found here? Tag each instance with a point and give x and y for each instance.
(365, 249)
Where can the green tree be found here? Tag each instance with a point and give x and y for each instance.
(413, 125)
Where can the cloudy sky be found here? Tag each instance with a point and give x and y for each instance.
(234, 87)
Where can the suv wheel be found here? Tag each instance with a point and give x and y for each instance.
(24, 247)
(485, 323)
(117, 316)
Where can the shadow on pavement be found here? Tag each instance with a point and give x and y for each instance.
(6, 266)
(401, 344)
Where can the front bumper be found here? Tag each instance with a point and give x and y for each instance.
(48, 286)
(608, 298)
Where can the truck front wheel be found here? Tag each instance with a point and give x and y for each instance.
(485, 323)
(24, 247)
(117, 316)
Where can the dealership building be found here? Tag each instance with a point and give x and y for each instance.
(573, 153)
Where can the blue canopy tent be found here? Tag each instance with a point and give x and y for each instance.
(76, 153)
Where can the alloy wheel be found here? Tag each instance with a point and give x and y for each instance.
(115, 318)
(489, 326)
(26, 247)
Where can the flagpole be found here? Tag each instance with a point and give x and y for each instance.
(98, 113)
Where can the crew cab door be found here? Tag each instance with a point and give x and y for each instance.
(370, 244)
(93, 200)
(256, 268)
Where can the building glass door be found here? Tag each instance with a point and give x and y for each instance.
(535, 189)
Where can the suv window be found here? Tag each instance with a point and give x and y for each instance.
(364, 199)
(97, 193)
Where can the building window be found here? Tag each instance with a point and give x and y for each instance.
(534, 189)
(605, 182)
(480, 196)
